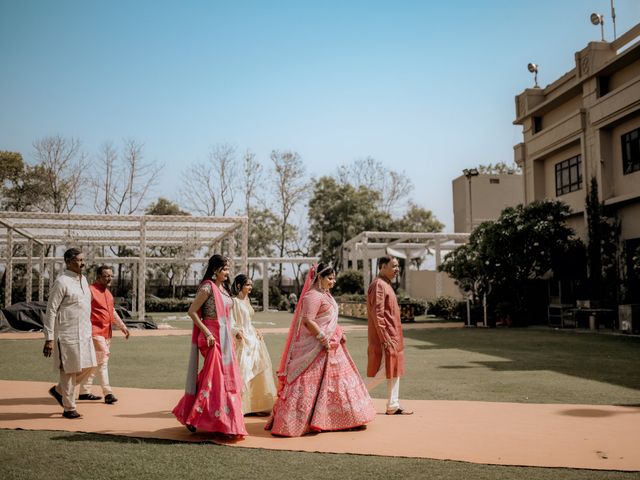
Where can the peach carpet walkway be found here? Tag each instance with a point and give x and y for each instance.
(550, 435)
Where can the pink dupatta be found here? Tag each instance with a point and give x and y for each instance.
(227, 350)
(286, 371)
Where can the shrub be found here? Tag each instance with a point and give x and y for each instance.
(443, 306)
(276, 298)
(349, 281)
(167, 304)
(419, 306)
(352, 297)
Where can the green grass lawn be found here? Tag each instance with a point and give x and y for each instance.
(512, 365)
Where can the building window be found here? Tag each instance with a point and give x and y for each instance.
(631, 151)
(537, 124)
(569, 175)
(603, 85)
(494, 180)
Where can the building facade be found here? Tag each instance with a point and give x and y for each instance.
(481, 197)
(586, 125)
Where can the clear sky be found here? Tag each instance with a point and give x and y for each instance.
(425, 87)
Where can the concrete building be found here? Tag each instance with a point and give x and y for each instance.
(478, 197)
(587, 124)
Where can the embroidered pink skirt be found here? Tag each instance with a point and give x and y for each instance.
(328, 395)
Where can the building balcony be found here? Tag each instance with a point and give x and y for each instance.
(556, 136)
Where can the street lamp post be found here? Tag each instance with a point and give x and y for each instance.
(468, 173)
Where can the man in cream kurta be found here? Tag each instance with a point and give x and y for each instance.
(386, 342)
(67, 330)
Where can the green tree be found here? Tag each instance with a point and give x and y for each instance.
(417, 219)
(20, 185)
(603, 250)
(162, 206)
(175, 272)
(338, 212)
(503, 257)
(264, 231)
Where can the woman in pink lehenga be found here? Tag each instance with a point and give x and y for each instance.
(212, 400)
(320, 387)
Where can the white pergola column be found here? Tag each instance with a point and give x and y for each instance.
(345, 259)
(29, 294)
(366, 266)
(438, 274)
(142, 274)
(41, 277)
(407, 271)
(265, 286)
(134, 287)
(8, 277)
(354, 258)
(244, 249)
(51, 265)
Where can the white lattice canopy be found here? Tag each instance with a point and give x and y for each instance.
(54, 232)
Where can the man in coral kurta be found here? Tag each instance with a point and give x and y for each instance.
(103, 316)
(386, 343)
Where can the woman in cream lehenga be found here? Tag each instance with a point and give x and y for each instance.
(319, 386)
(259, 389)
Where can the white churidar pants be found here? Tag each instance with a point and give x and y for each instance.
(393, 387)
(103, 347)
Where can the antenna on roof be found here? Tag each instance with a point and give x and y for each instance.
(613, 19)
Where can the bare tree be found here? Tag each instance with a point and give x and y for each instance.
(299, 246)
(393, 187)
(209, 187)
(122, 182)
(252, 171)
(61, 167)
(288, 177)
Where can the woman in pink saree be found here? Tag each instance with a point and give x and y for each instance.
(212, 400)
(320, 388)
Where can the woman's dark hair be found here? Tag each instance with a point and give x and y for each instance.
(238, 283)
(324, 270)
(216, 262)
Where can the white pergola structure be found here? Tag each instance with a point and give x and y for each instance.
(368, 246)
(139, 232)
(265, 262)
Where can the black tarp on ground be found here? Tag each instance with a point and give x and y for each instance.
(5, 326)
(130, 322)
(29, 316)
(147, 323)
(25, 316)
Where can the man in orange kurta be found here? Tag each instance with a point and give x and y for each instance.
(103, 316)
(386, 343)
